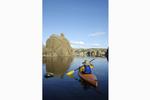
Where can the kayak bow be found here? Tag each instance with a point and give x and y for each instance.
(89, 78)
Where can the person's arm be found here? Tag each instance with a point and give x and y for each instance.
(81, 69)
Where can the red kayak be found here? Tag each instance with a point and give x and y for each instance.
(89, 78)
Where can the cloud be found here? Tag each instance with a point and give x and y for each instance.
(81, 44)
(77, 43)
(95, 44)
(96, 34)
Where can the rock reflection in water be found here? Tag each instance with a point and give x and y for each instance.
(57, 65)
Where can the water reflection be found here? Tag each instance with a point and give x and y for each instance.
(57, 65)
(72, 87)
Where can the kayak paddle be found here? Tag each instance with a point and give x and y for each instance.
(72, 71)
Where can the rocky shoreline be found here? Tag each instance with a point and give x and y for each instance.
(59, 46)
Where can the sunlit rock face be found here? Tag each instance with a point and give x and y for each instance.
(57, 46)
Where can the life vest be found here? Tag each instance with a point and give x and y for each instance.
(87, 69)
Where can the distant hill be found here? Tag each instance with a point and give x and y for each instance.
(98, 52)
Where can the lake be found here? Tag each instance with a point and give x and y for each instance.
(62, 87)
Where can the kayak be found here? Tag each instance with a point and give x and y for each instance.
(89, 78)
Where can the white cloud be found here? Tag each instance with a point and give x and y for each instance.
(95, 44)
(96, 34)
(81, 44)
(77, 43)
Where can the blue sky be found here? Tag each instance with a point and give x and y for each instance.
(83, 22)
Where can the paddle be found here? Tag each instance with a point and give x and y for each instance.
(72, 71)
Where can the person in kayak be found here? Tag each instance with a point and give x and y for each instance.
(86, 67)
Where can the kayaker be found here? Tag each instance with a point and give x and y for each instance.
(86, 67)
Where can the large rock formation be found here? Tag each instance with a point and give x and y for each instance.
(57, 46)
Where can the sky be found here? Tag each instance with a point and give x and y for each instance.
(83, 22)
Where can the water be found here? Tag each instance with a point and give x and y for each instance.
(62, 87)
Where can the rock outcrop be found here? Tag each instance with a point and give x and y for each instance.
(57, 46)
(96, 52)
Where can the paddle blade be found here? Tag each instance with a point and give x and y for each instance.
(71, 76)
(70, 73)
